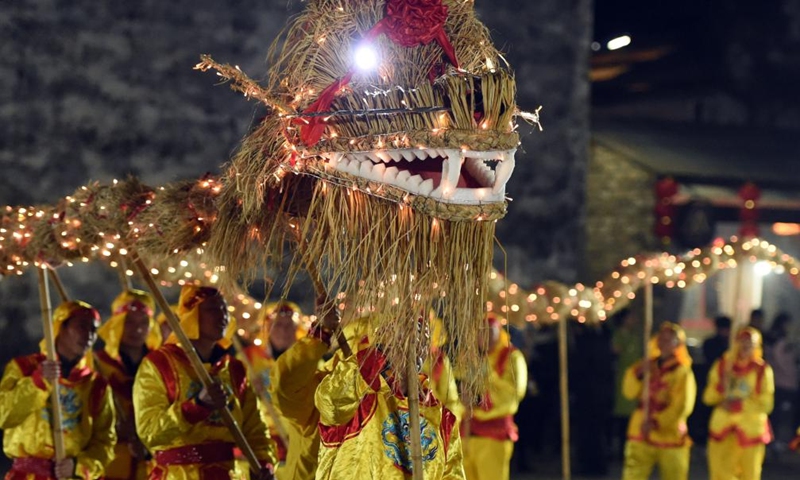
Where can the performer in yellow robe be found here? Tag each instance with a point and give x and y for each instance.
(129, 335)
(279, 323)
(364, 423)
(438, 368)
(492, 431)
(178, 419)
(86, 407)
(294, 379)
(662, 438)
(741, 389)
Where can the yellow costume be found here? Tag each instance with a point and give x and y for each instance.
(673, 391)
(86, 408)
(188, 440)
(438, 368)
(364, 425)
(488, 450)
(119, 374)
(260, 360)
(295, 378)
(443, 382)
(739, 427)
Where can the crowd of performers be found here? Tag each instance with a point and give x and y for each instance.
(136, 409)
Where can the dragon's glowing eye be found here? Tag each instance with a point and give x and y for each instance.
(366, 58)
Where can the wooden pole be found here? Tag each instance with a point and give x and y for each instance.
(62, 292)
(196, 362)
(321, 291)
(412, 382)
(50, 346)
(737, 322)
(271, 410)
(566, 469)
(648, 328)
(124, 279)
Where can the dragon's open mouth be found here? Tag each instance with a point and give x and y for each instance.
(448, 175)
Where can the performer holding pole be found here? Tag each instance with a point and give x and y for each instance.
(492, 429)
(129, 335)
(50, 347)
(741, 390)
(365, 412)
(293, 381)
(35, 390)
(201, 425)
(665, 385)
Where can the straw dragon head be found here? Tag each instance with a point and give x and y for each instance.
(392, 127)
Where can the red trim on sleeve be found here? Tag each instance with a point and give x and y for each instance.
(160, 360)
(335, 435)
(194, 413)
(29, 363)
(96, 395)
(371, 363)
(502, 360)
(438, 366)
(721, 375)
(446, 427)
(238, 378)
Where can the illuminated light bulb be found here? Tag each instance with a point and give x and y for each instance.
(366, 58)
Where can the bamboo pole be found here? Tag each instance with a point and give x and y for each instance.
(124, 279)
(197, 364)
(62, 292)
(412, 382)
(737, 322)
(648, 328)
(50, 346)
(271, 410)
(566, 469)
(321, 291)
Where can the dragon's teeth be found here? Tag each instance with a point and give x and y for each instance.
(426, 187)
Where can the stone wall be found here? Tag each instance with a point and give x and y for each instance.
(547, 43)
(619, 211)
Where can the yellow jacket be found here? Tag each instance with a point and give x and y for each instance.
(443, 382)
(86, 409)
(172, 425)
(295, 378)
(752, 391)
(364, 425)
(673, 392)
(261, 364)
(120, 380)
(493, 417)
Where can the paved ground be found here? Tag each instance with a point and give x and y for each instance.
(787, 467)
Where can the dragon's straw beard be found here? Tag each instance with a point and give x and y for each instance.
(393, 263)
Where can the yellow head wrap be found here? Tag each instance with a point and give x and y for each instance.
(438, 335)
(111, 332)
(269, 311)
(162, 316)
(755, 336)
(64, 312)
(681, 353)
(189, 313)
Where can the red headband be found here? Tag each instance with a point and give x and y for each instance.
(134, 306)
(201, 294)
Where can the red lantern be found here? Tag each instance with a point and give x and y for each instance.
(665, 190)
(748, 213)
